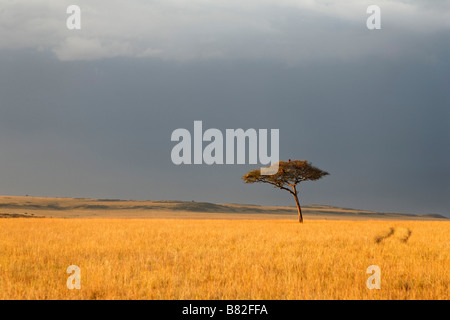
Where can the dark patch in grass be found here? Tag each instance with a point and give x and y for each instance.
(380, 238)
(406, 236)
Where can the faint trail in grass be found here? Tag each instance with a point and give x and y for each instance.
(404, 235)
(385, 235)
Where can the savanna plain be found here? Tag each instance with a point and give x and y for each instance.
(223, 258)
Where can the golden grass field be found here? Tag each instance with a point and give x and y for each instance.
(223, 259)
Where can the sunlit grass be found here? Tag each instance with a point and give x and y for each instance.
(223, 259)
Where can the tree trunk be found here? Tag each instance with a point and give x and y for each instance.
(300, 216)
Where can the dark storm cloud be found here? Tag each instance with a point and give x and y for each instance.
(102, 129)
(370, 108)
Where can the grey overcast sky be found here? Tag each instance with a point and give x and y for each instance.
(90, 112)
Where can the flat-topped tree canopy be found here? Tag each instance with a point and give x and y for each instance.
(289, 175)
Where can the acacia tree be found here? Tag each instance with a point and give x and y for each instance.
(289, 175)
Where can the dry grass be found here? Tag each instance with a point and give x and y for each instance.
(133, 209)
(215, 259)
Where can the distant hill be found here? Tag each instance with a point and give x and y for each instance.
(13, 206)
